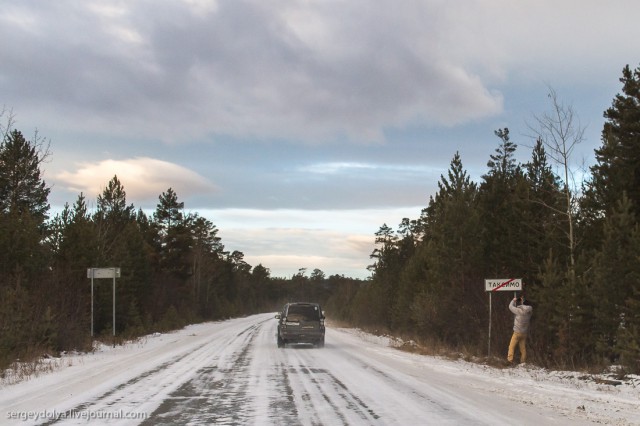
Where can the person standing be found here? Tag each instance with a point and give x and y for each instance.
(522, 311)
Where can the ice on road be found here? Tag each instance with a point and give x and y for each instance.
(232, 373)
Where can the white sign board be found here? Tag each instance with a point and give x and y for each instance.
(103, 273)
(503, 284)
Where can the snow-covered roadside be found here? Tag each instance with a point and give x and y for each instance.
(24, 372)
(77, 378)
(605, 397)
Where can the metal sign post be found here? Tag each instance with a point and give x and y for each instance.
(112, 273)
(489, 348)
(89, 272)
(499, 284)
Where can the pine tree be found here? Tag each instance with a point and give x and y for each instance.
(385, 247)
(22, 189)
(25, 318)
(175, 234)
(168, 211)
(617, 168)
(173, 281)
(623, 127)
(379, 298)
(502, 199)
(449, 265)
(23, 208)
(112, 203)
(502, 164)
(544, 215)
(207, 250)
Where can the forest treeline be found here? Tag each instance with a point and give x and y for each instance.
(576, 247)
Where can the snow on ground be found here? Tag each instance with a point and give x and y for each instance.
(146, 375)
(603, 398)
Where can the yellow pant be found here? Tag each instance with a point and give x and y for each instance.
(519, 339)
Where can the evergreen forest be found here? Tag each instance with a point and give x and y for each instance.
(573, 237)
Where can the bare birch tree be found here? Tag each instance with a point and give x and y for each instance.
(560, 131)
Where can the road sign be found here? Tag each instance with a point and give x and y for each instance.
(97, 273)
(503, 284)
(103, 273)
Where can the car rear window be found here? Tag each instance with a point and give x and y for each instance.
(303, 312)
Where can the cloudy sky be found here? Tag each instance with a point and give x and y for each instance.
(299, 127)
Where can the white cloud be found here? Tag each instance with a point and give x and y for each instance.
(143, 178)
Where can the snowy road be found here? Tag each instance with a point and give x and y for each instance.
(233, 373)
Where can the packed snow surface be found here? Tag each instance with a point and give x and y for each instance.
(232, 373)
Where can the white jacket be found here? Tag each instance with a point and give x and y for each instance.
(523, 317)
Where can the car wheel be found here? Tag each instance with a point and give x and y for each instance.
(280, 342)
(320, 343)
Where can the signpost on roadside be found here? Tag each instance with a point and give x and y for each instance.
(104, 273)
(500, 284)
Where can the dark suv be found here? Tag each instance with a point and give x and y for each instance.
(301, 323)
